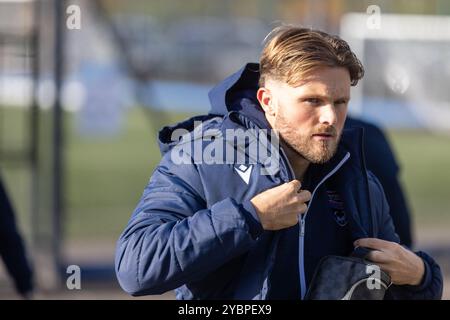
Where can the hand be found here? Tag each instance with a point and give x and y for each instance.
(279, 207)
(402, 265)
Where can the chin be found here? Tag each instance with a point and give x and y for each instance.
(323, 157)
(320, 160)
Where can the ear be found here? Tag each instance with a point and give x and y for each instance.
(265, 99)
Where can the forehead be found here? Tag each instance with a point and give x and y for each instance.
(325, 80)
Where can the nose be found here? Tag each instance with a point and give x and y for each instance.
(328, 115)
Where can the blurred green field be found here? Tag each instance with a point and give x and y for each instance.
(424, 158)
(105, 176)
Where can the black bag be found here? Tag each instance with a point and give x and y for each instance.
(348, 278)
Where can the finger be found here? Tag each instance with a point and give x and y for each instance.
(389, 269)
(378, 257)
(373, 243)
(295, 207)
(303, 196)
(386, 268)
(295, 185)
(301, 208)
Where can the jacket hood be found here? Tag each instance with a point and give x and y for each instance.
(243, 83)
(237, 93)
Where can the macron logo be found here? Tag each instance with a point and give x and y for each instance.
(244, 172)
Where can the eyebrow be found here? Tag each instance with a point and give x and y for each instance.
(320, 96)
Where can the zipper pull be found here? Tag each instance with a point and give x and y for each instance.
(302, 225)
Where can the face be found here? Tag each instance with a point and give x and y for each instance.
(310, 116)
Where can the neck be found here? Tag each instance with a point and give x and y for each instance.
(298, 163)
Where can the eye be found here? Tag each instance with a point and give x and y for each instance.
(312, 101)
(341, 102)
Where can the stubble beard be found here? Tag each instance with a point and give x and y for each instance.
(313, 150)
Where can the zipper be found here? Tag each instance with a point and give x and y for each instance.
(291, 175)
(302, 221)
(301, 254)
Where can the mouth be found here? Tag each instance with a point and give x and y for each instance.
(323, 136)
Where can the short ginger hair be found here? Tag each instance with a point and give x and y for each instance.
(290, 53)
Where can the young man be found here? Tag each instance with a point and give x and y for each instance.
(213, 227)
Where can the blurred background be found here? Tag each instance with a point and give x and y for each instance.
(85, 85)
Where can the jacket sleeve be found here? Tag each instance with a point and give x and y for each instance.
(432, 284)
(173, 238)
